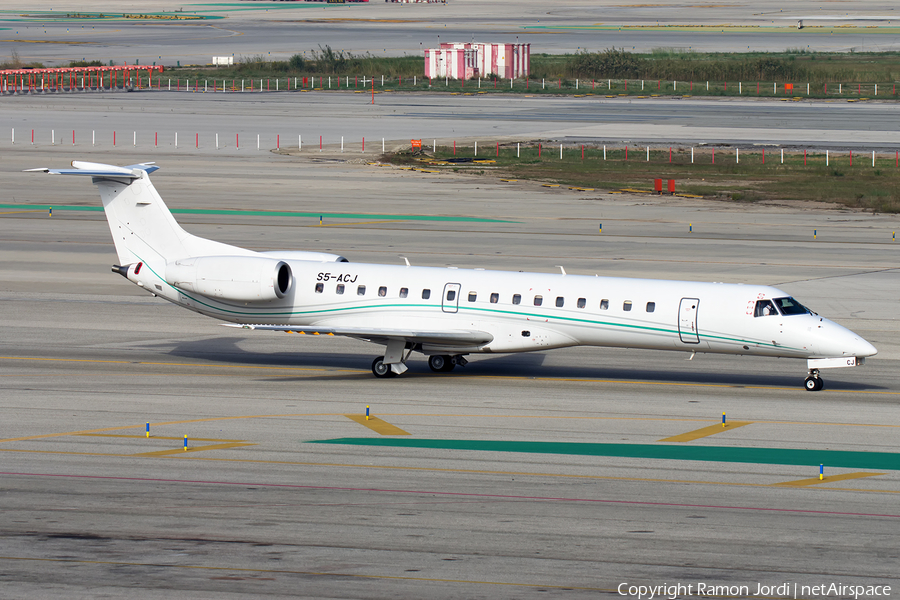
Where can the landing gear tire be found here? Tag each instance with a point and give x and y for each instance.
(813, 384)
(381, 370)
(440, 363)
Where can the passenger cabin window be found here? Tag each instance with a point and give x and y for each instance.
(361, 290)
(517, 298)
(473, 296)
(495, 297)
(560, 301)
(626, 306)
(764, 308)
(581, 303)
(451, 295)
(651, 306)
(382, 291)
(320, 287)
(538, 300)
(404, 292)
(340, 288)
(789, 307)
(604, 304)
(426, 294)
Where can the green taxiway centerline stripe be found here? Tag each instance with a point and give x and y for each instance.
(273, 213)
(769, 456)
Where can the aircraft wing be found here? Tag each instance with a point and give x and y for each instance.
(451, 337)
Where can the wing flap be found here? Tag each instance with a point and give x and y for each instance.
(451, 337)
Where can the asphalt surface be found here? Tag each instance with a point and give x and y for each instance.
(256, 506)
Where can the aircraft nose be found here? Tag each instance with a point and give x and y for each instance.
(864, 348)
(843, 342)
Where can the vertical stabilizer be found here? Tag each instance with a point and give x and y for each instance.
(142, 227)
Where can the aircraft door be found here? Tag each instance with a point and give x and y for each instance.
(687, 320)
(450, 299)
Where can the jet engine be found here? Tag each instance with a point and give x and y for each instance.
(235, 278)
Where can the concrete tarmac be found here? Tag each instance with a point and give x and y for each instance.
(257, 506)
(41, 32)
(144, 124)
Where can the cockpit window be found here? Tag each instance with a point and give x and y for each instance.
(789, 306)
(764, 308)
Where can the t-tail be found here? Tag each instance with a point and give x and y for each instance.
(158, 255)
(142, 227)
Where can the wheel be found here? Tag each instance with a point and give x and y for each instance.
(440, 363)
(381, 370)
(813, 384)
(820, 384)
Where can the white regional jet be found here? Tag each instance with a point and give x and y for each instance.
(447, 313)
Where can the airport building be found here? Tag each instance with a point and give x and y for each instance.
(467, 60)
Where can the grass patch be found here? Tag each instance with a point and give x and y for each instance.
(848, 75)
(848, 180)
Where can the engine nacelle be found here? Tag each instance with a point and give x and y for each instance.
(235, 278)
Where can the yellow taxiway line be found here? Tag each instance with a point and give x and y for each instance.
(377, 425)
(182, 451)
(829, 479)
(690, 436)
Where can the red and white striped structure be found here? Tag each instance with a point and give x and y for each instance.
(464, 61)
(14, 80)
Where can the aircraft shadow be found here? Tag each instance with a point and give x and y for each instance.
(228, 350)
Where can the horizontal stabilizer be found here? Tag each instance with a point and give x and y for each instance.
(455, 337)
(100, 170)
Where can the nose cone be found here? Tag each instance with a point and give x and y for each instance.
(835, 341)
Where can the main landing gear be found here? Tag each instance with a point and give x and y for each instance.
(382, 370)
(813, 382)
(439, 363)
(443, 363)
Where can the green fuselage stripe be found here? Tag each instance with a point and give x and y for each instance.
(766, 456)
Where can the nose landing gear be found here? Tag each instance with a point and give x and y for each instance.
(813, 382)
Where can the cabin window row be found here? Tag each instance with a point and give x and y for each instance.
(340, 289)
(627, 305)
